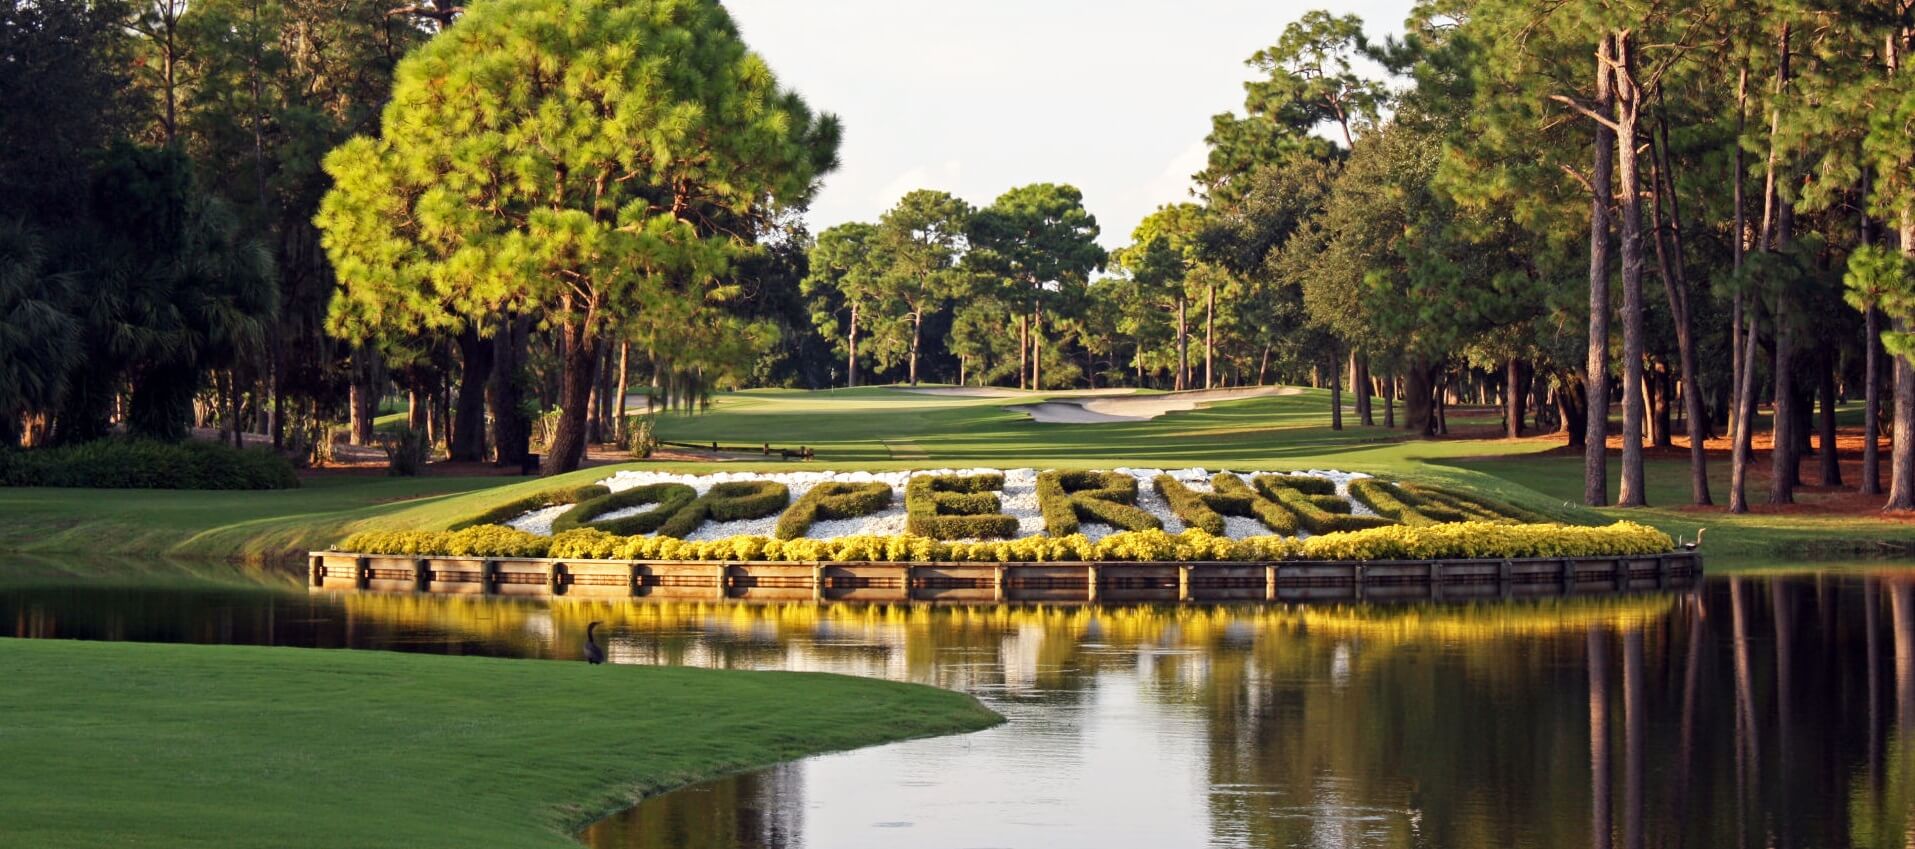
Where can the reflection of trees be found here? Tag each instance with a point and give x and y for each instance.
(1882, 798)
(1428, 725)
(1600, 784)
(756, 810)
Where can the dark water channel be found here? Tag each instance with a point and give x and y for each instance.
(1768, 710)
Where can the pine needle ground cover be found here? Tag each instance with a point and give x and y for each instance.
(209, 746)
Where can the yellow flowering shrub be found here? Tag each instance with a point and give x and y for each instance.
(1486, 539)
(1392, 542)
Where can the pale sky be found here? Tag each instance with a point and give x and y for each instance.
(1112, 96)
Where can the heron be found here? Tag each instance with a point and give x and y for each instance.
(1692, 546)
(593, 654)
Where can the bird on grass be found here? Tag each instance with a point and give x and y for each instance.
(593, 653)
(1692, 546)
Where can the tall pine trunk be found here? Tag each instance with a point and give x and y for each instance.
(1210, 336)
(1183, 345)
(917, 333)
(1596, 366)
(466, 441)
(1336, 396)
(1825, 427)
(1745, 413)
(578, 354)
(851, 356)
(1901, 463)
(1676, 288)
(1780, 216)
(1360, 384)
(1389, 402)
(1037, 348)
(1513, 398)
(1628, 111)
(1023, 349)
(363, 395)
(624, 384)
(1872, 404)
(1871, 370)
(505, 397)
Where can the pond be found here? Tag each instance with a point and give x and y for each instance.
(1764, 709)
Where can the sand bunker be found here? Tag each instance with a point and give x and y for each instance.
(1139, 408)
(1006, 392)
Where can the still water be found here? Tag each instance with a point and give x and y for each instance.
(1767, 710)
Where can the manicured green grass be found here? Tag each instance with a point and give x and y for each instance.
(880, 428)
(132, 744)
(1761, 535)
(209, 523)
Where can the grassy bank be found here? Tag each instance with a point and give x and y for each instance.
(169, 745)
(882, 428)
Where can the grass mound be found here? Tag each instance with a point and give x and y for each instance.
(246, 746)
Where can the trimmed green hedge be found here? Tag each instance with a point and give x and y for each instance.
(1387, 500)
(1467, 503)
(1276, 517)
(1331, 503)
(670, 498)
(1306, 484)
(948, 507)
(1192, 508)
(1312, 518)
(1067, 498)
(536, 501)
(1228, 496)
(834, 500)
(728, 502)
(147, 464)
(1457, 540)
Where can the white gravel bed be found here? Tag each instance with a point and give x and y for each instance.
(1018, 499)
(539, 521)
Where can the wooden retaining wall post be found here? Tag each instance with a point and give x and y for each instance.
(960, 582)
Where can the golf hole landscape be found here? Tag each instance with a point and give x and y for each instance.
(743, 424)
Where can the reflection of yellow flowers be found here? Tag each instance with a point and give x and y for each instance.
(1452, 540)
(472, 616)
(1156, 623)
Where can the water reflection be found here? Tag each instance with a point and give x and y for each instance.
(1755, 712)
